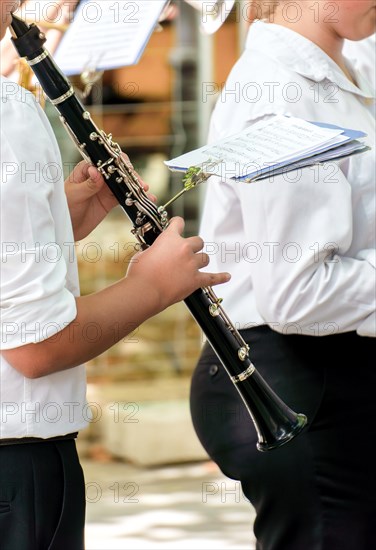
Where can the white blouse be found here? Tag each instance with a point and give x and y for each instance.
(39, 279)
(362, 55)
(300, 247)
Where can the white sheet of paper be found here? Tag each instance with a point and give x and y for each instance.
(107, 34)
(265, 143)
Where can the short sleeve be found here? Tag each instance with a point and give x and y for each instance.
(35, 300)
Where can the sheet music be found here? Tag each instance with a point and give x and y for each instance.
(269, 144)
(107, 34)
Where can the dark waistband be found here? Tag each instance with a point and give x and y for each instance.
(334, 348)
(23, 440)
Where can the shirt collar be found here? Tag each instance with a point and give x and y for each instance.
(302, 56)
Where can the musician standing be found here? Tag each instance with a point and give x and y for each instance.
(301, 250)
(45, 325)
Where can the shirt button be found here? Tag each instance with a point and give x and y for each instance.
(213, 370)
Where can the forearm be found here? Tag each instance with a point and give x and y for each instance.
(158, 277)
(103, 319)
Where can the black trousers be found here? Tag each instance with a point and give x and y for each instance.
(42, 497)
(317, 492)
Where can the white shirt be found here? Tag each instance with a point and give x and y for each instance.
(362, 55)
(39, 279)
(301, 247)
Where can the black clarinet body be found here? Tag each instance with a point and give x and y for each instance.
(274, 421)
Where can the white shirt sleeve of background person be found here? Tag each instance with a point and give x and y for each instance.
(38, 266)
(320, 278)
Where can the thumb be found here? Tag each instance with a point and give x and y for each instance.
(92, 184)
(79, 173)
(95, 177)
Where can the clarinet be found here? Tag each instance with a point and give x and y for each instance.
(274, 421)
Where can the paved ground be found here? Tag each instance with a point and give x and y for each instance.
(179, 507)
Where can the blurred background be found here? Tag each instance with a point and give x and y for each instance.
(149, 482)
